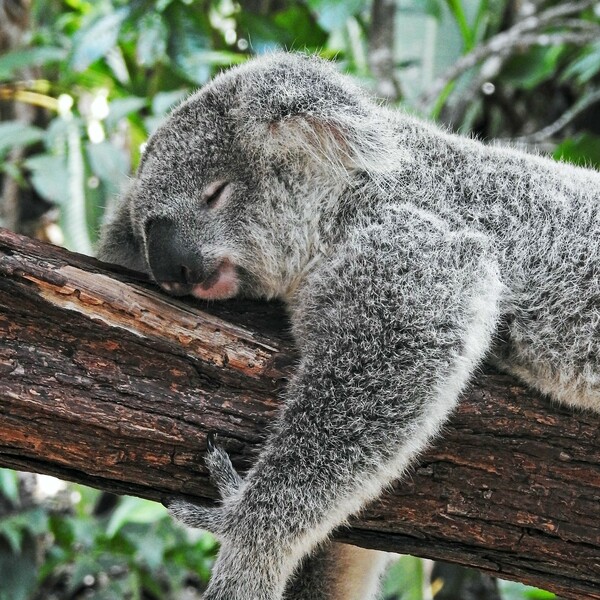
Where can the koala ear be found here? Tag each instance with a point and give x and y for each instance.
(293, 104)
(118, 243)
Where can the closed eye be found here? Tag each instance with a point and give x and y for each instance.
(214, 192)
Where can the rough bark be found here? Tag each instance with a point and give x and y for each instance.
(105, 381)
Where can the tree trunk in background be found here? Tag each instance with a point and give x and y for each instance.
(105, 381)
(21, 208)
(382, 36)
(461, 583)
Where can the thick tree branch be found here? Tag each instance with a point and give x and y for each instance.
(105, 381)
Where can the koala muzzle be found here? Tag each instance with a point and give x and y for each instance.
(175, 264)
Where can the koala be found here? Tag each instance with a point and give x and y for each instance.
(405, 255)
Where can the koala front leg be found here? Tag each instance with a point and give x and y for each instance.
(389, 335)
(333, 571)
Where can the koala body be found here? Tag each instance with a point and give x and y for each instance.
(406, 257)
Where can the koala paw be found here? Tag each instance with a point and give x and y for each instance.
(226, 480)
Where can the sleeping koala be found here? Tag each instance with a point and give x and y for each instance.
(405, 255)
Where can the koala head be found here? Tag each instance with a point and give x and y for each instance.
(230, 190)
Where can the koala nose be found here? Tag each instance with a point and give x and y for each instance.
(173, 260)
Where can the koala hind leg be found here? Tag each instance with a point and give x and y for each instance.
(337, 571)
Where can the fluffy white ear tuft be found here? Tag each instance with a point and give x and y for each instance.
(300, 108)
(345, 143)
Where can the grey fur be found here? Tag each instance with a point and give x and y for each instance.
(406, 256)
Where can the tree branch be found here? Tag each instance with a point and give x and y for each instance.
(105, 381)
(567, 117)
(525, 33)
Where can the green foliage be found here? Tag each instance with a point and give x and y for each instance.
(405, 580)
(9, 486)
(15, 133)
(511, 590)
(583, 150)
(18, 571)
(113, 68)
(331, 14)
(12, 62)
(529, 70)
(135, 549)
(467, 33)
(13, 528)
(585, 66)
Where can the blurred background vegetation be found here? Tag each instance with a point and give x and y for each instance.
(83, 84)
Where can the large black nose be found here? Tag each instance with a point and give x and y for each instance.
(172, 256)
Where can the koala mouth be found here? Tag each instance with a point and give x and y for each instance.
(221, 284)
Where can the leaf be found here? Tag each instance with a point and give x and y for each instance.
(152, 41)
(14, 172)
(73, 216)
(512, 590)
(405, 579)
(457, 10)
(35, 521)
(96, 39)
(12, 62)
(15, 134)
(109, 163)
(50, 177)
(13, 528)
(151, 586)
(586, 66)
(263, 33)
(56, 132)
(189, 40)
(161, 5)
(13, 534)
(9, 485)
(332, 14)
(86, 531)
(121, 107)
(294, 27)
(300, 29)
(62, 530)
(150, 547)
(164, 101)
(432, 8)
(582, 150)
(18, 572)
(532, 68)
(134, 510)
(116, 62)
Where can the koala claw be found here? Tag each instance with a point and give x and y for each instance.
(210, 441)
(222, 474)
(226, 480)
(194, 515)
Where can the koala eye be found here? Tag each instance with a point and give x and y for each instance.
(214, 192)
